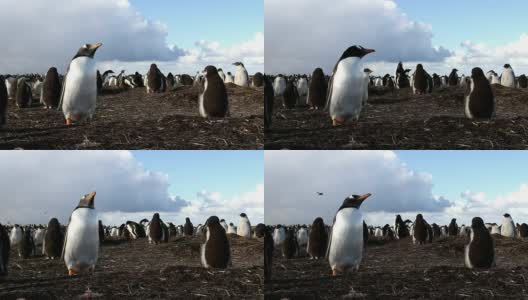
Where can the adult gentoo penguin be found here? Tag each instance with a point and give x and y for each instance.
(480, 252)
(244, 227)
(188, 228)
(507, 226)
(508, 77)
(480, 102)
(51, 92)
(241, 75)
(420, 233)
(5, 248)
(317, 90)
(3, 101)
(346, 86)
(213, 101)
(155, 229)
(53, 240)
(345, 245)
(453, 78)
(215, 252)
(317, 240)
(81, 245)
(453, 228)
(79, 88)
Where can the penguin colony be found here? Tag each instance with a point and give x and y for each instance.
(75, 93)
(79, 242)
(341, 243)
(343, 93)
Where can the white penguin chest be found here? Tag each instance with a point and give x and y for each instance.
(347, 89)
(244, 228)
(80, 93)
(346, 248)
(82, 244)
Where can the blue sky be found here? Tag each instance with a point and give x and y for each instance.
(226, 172)
(227, 22)
(489, 21)
(492, 172)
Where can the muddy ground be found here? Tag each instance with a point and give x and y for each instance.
(133, 119)
(402, 121)
(399, 270)
(137, 270)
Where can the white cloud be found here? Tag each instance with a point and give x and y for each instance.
(302, 35)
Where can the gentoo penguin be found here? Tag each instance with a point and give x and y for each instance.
(507, 226)
(51, 92)
(231, 229)
(79, 88)
(213, 102)
(480, 102)
(508, 77)
(269, 101)
(136, 231)
(302, 90)
(244, 227)
(366, 78)
(419, 80)
(16, 235)
(269, 248)
(229, 78)
(453, 228)
(53, 240)
(345, 245)
(170, 80)
(453, 78)
(27, 245)
(241, 75)
(279, 234)
(215, 252)
(437, 81)
(81, 245)
(221, 74)
(495, 79)
(259, 230)
(290, 246)
(155, 82)
(290, 95)
(155, 230)
(345, 89)
(302, 240)
(224, 224)
(523, 230)
(24, 96)
(258, 79)
(279, 85)
(437, 233)
(188, 229)
(523, 82)
(480, 252)
(495, 229)
(318, 90)
(11, 85)
(3, 101)
(318, 239)
(5, 248)
(400, 227)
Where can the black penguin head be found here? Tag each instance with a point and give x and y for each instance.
(155, 216)
(88, 50)
(210, 71)
(453, 220)
(354, 201)
(187, 220)
(153, 67)
(212, 221)
(477, 73)
(419, 217)
(243, 215)
(454, 70)
(506, 215)
(367, 70)
(238, 64)
(231, 224)
(477, 222)
(507, 66)
(87, 200)
(419, 67)
(356, 51)
(53, 222)
(399, 219)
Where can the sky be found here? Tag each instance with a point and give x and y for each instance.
(132, 185)
(304, 34)
(439, 184)
(180, 36)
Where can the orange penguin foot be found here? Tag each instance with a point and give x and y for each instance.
(334, 272)
(69, 121)
(71, 272)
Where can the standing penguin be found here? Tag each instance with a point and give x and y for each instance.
(480, 102)
(215, 252)
(53, 240)
(213, 101)
(3, 101)
(291, 95)
(79, 88)
(259, 231)
(453, 78)
(366, 78)
(241, 75)
(420, 233)
(290, 246)
(27, 245)
(231, 229)
(24, 96)
(279, 85)
(346, 86)
(419, 80)
(453, 228)
(523, 82)
(523, 230)
(269, 101)
(244, 227)
(155, 82)
(269, 248)
(318, 89)
(81, 245)
(401, 229)
(279, 234)
(317, 240)
(5, 248)
(155, 230)
(508, 77)
(507, 228)
(51, 92)
(480, 252)
(224, 224)
(221, 74)
(258, 80)
(188, 228)
(345, 246)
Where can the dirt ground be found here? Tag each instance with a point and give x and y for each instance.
(404, 121)
(137, 270)
(133, 119)
(399, 270)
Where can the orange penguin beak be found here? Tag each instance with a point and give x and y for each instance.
(369, 50)
(364, 197)
(96, 46)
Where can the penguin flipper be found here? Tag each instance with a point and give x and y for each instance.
(329, 89)
(330, 240)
